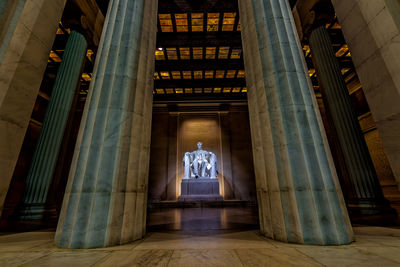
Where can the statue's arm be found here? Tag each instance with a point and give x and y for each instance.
(186, 157)
(213, 158)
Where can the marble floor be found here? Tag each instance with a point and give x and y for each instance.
(192, 220)
(375, 246)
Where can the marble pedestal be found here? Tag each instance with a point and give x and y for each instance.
(201, 189)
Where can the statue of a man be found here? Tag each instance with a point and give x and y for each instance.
(200, 163)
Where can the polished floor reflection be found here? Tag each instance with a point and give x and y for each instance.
(374, 246)
(202, 219)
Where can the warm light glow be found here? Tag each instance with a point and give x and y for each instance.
(229, 21)
(212, 22)
(55, 57)
(198, 74)
(165, 22)
(219, 74)
(344, 70)
(176, 75)
(160, 55)
(197, 22)
(241, 74)
(342, 50)
(230, 74)
(210, 52)
(223, 52)
(187, 74)
(197, 52)
(89, 54)
(172, 54)
(164, 75)
(235, 54)
(209, 74)
(181, 22)
(86, 77)
(184, 52)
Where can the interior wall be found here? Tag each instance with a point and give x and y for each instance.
(223, 130)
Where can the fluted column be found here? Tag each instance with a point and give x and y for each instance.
(299, 196)
(10, 11)
(46, 152)
(106, 194)
(368, 193)
(24, 51)
(2, 7)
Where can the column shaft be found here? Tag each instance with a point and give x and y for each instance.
(10, 12)
(375, 57)
(46, 153)
(299, 196)
(106, 194)
(351, 139)
(23, 60)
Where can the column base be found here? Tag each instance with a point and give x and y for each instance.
(368, 212)
(33, 216)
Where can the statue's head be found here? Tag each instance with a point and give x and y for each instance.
(199, 145)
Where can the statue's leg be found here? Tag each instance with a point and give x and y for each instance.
(196, 168)
(213, 163)
(186, 163)
(203, 168)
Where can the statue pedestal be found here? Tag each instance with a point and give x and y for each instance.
(200, 189)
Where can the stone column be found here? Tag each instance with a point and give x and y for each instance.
(359, 165)
(10, 12)
(46, 153)
(24, 51)
(106, 194)
(2, 7)
(299, 196)
(376, 56)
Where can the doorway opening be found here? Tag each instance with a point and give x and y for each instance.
(200, 96)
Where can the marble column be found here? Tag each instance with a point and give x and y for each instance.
(2, 7)
(106, 194)
(298, 192)
(376, 56)
(46, 152)
(10, 12)
(24, 52)
(359, 165)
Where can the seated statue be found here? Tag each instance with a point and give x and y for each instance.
(200, 163)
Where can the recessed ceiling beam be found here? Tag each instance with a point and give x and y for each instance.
(206, 64)
(185, 39)
(211, 6)
(200, 83)
(193, 97)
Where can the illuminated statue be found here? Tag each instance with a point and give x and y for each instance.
(200, 164)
